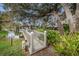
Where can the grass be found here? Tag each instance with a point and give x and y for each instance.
(5, 46)
(7, 50)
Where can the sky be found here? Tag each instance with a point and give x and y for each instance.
(1, 7)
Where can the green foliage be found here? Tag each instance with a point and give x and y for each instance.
(7, 50)
(40, 30)
(67, 44)
(66, 28)
(3, 34)
(52, 36)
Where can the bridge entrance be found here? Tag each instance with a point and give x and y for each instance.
(34, 40)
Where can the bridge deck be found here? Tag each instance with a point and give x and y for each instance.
(37, 44)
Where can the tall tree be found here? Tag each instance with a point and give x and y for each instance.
(70, 18)
(38, 10)
(77, 16)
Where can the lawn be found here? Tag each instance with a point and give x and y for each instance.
(6, 49)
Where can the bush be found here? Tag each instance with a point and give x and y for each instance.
(67, 44)
(66, 28)
(64, 45)
(52, 36)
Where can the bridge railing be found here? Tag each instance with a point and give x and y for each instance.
(35, 40)
(41, 36)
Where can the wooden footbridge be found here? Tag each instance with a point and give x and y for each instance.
(35, 40)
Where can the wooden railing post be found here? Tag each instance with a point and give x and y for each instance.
(23, 44)
(45, 39)
(31, 44)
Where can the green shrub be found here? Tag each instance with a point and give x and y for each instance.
(66, 28)
(64, 45)
(52, 36)
(67, 44)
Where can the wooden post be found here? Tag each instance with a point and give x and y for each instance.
(11, 42)
(31, 43)
(45, 40)
(23, 44)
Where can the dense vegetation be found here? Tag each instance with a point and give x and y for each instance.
(67, 44)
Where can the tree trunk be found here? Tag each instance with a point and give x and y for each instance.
(77, 9)
(77, 17)
(70, 18)
(0, 27)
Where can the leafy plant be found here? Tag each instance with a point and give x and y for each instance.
(67, 44)
(52, 36)
(66, 28)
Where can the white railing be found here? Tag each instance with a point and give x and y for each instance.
(33, 41)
